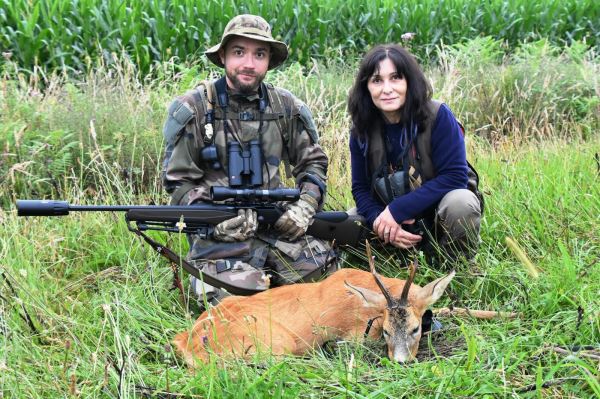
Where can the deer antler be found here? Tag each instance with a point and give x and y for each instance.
(411, 276)
(384, 291)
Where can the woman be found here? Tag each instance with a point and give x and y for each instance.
(408, 157)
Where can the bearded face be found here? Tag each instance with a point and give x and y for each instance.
(246, 63)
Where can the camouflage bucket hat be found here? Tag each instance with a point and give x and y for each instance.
(252, 27)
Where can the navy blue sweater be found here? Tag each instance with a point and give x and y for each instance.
(449, 159)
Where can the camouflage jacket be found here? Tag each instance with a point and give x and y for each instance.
(288, 134)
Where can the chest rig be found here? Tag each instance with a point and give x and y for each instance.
(239, 157)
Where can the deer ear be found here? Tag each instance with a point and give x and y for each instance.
(433, 291)
(368, 297)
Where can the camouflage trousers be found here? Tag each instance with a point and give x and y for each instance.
(262, 262)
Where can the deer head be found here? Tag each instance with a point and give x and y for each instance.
(402, 317)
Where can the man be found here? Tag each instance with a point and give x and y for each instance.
(221, 122)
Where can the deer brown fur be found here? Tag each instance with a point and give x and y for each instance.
(294, 319)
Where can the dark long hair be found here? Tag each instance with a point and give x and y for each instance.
(365, 116)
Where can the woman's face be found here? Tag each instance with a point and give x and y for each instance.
(388, 90)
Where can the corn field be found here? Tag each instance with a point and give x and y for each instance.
(71, 35)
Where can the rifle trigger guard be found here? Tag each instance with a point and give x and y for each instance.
(204, 232)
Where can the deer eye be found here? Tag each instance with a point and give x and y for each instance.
(416, 330)
(385, 334)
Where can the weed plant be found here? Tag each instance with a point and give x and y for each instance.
(87, 310)
(71, 35)
(55, 131)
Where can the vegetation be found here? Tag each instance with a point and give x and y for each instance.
(56, 132)
(86, 309)
(71, 35)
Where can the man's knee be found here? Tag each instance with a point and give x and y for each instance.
(315, 259)
(235, 272)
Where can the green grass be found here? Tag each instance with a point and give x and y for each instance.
(100, 301)
(86, 309)
(56, 133)
(74, 35)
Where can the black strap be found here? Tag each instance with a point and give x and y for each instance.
(263, 98)
(403, 156)
(246, 116)
(223, 98)
(181, 191)
(207, 278)
(221, 88)
(388, 187)
(369, 325)
(384, 169)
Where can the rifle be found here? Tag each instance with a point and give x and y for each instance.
(203, 217)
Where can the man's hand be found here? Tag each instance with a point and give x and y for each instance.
(391, 232)
(295, 221)
(239, 228)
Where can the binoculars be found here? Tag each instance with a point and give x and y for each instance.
(245, 166)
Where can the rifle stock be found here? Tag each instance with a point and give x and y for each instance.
(339, 226)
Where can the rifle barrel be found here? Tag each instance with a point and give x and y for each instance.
(59, 208)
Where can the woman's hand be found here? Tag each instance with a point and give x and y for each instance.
(391, 232)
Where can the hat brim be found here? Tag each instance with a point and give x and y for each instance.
(279, 50)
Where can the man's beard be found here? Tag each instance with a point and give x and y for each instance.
(245, 88)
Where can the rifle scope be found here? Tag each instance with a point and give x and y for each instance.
(219, 193)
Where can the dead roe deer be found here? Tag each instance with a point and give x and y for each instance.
(294, 319)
